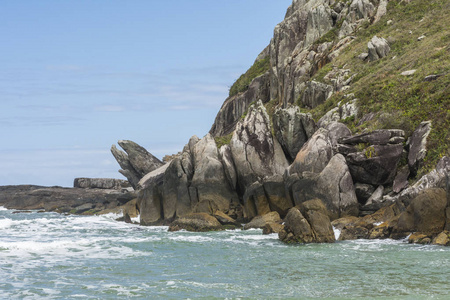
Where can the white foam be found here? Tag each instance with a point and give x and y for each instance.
(337, 233)
(5, 223)
(2, 208)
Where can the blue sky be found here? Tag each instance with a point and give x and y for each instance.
(76, 76)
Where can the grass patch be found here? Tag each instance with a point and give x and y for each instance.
(241, 84)
(223, 140)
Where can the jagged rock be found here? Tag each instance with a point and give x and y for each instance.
(381, 11)
(334, 186)
(377, 48)
(196, 222)
(401, 179)
(360, 9)
(436, 178)
(316, 93)
(209, 178)
(292, 129)
(363, 192)
(376, 137)
(175, 191)
(425, 214)
(100, 183)
(261, 221)
(256, 154)
(353, 233)
(319, 22)
(363, 56)
(154, 176)
(234, 107)
(140, 159)
(314, 155)
(136, 162)
(340, 112)
(376, 165)
(417, 148)
(307, 223)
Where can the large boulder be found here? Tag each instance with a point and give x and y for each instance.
(260, 222)
(314, 155)
(307, 223)
(256, 153)
(425, 214)
(319, 22)
(375, 165)
(210, 180)
(417, 146)
(334, 186)
(376, 137)
(292, 129)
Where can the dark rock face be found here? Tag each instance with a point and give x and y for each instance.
(100, 183)
(136, 162)
(417, 148)
(376, 137)
(292, 129)
(63, 200)
(233, 108)
(307, 223)
(377, 165)
(425, 214)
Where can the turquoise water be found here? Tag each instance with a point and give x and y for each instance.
(47, 255)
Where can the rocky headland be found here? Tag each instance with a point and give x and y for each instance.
(324, 130)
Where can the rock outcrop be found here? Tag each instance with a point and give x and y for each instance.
(307, 223)
(377, 48)
(100, 183)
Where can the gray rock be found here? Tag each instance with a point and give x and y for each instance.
(417, 148)
(381, 10)
(275, 192)
(377, 195)
(363, 56)
(316, 93)
(378, 48)
(408, 72)
(376, 165)
(255, 201)
(100, 183)
(360, 9)
(319, 22)
(227, 160)
(197, 222)
(209, 177)
(234, 107)
(338, 113)
(150, 204)
(175, 191)
(256, 154)
(334, 186)
(314, 155)
(292, 129)
(401, 179)
(337, 131)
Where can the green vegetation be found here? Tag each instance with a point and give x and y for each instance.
(402, 101)
(223, 140)
(241, 84)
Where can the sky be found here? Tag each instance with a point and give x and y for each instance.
(76, 76)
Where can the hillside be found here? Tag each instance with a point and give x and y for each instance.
(418, 33)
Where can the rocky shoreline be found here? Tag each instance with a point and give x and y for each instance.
(268, 163)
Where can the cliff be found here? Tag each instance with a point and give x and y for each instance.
(348, 105)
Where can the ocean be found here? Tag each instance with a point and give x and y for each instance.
(53, 256)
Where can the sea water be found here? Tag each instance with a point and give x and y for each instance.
(52, 256)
